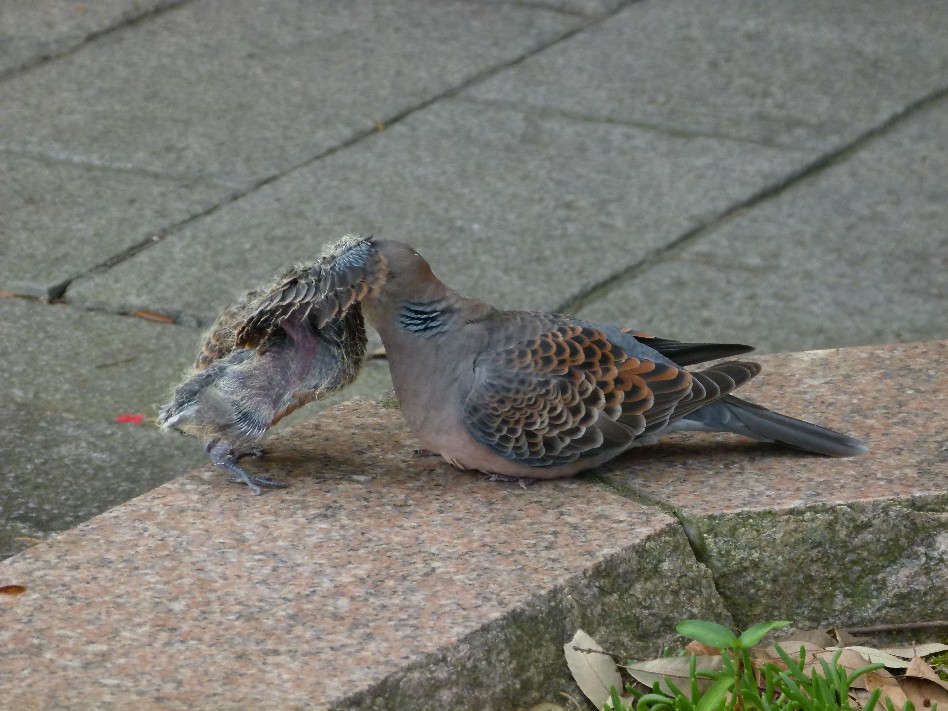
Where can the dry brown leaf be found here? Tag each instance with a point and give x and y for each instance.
(700, 649)
(879, 679)
(918, 668)
(594, 672)
(876, 679)
(859, 697)
(792, 648)
(817, 638)
(674, 668)
(895, 694)
(918, 650)
(763, 655)
(153, 316)
(924, 694)
(845, 639)
(878, 656)
(889, 686)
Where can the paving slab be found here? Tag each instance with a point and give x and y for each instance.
(32, 30)
(813, 74)
(67, 374)
(377, 580)
(237, 90)
(856, 254)
(523, 210)
(59, 220)
(816, 540)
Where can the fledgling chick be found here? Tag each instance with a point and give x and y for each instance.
(273, 351)
(532, 395)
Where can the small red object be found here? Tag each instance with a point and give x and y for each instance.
(134, 419)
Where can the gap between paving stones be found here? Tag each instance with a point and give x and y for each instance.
(58, 291)
(813, 168)
(66, 51)
(556, 113)
(81, 161)
(688, 527)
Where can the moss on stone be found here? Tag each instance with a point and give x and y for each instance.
(874, 561)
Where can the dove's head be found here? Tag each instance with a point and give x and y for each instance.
(409, 276)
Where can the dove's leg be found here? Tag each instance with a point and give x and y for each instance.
(254, 450)
(423, 453)
(223, 456)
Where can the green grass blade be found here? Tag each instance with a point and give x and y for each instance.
(709, 633)
(757, 632)
(715, 694)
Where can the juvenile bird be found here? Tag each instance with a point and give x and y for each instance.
(532, 395)
(273, 351)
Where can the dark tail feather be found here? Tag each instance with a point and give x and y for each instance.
(731, 414)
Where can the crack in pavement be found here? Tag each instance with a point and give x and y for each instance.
(59, 290)
(812, 168)
(65, 51)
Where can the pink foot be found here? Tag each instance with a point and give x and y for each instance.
(423, 453)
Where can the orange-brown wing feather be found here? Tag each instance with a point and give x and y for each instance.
(558, 397)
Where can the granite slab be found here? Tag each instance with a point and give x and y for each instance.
(377, 580)
(380, 579)
(815, 540)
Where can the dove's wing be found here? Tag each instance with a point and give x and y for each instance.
(558, 396)
(688, 353)
(221, 339)
(324, 292)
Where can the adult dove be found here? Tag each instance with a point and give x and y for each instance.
(531, 395)
(274, 350)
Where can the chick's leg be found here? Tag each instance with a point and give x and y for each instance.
(224, 456)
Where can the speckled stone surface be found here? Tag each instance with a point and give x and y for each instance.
(894, 398)
(380, 580)
(371, 564)
(815, 540)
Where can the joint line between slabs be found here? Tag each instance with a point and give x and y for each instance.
(59, 290)
(810, 169)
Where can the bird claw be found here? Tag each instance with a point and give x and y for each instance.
(255, 450)
(423, 453)
(224, 457)
(255, 482)
(524, 481)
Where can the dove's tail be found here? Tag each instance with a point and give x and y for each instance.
(731, 414)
